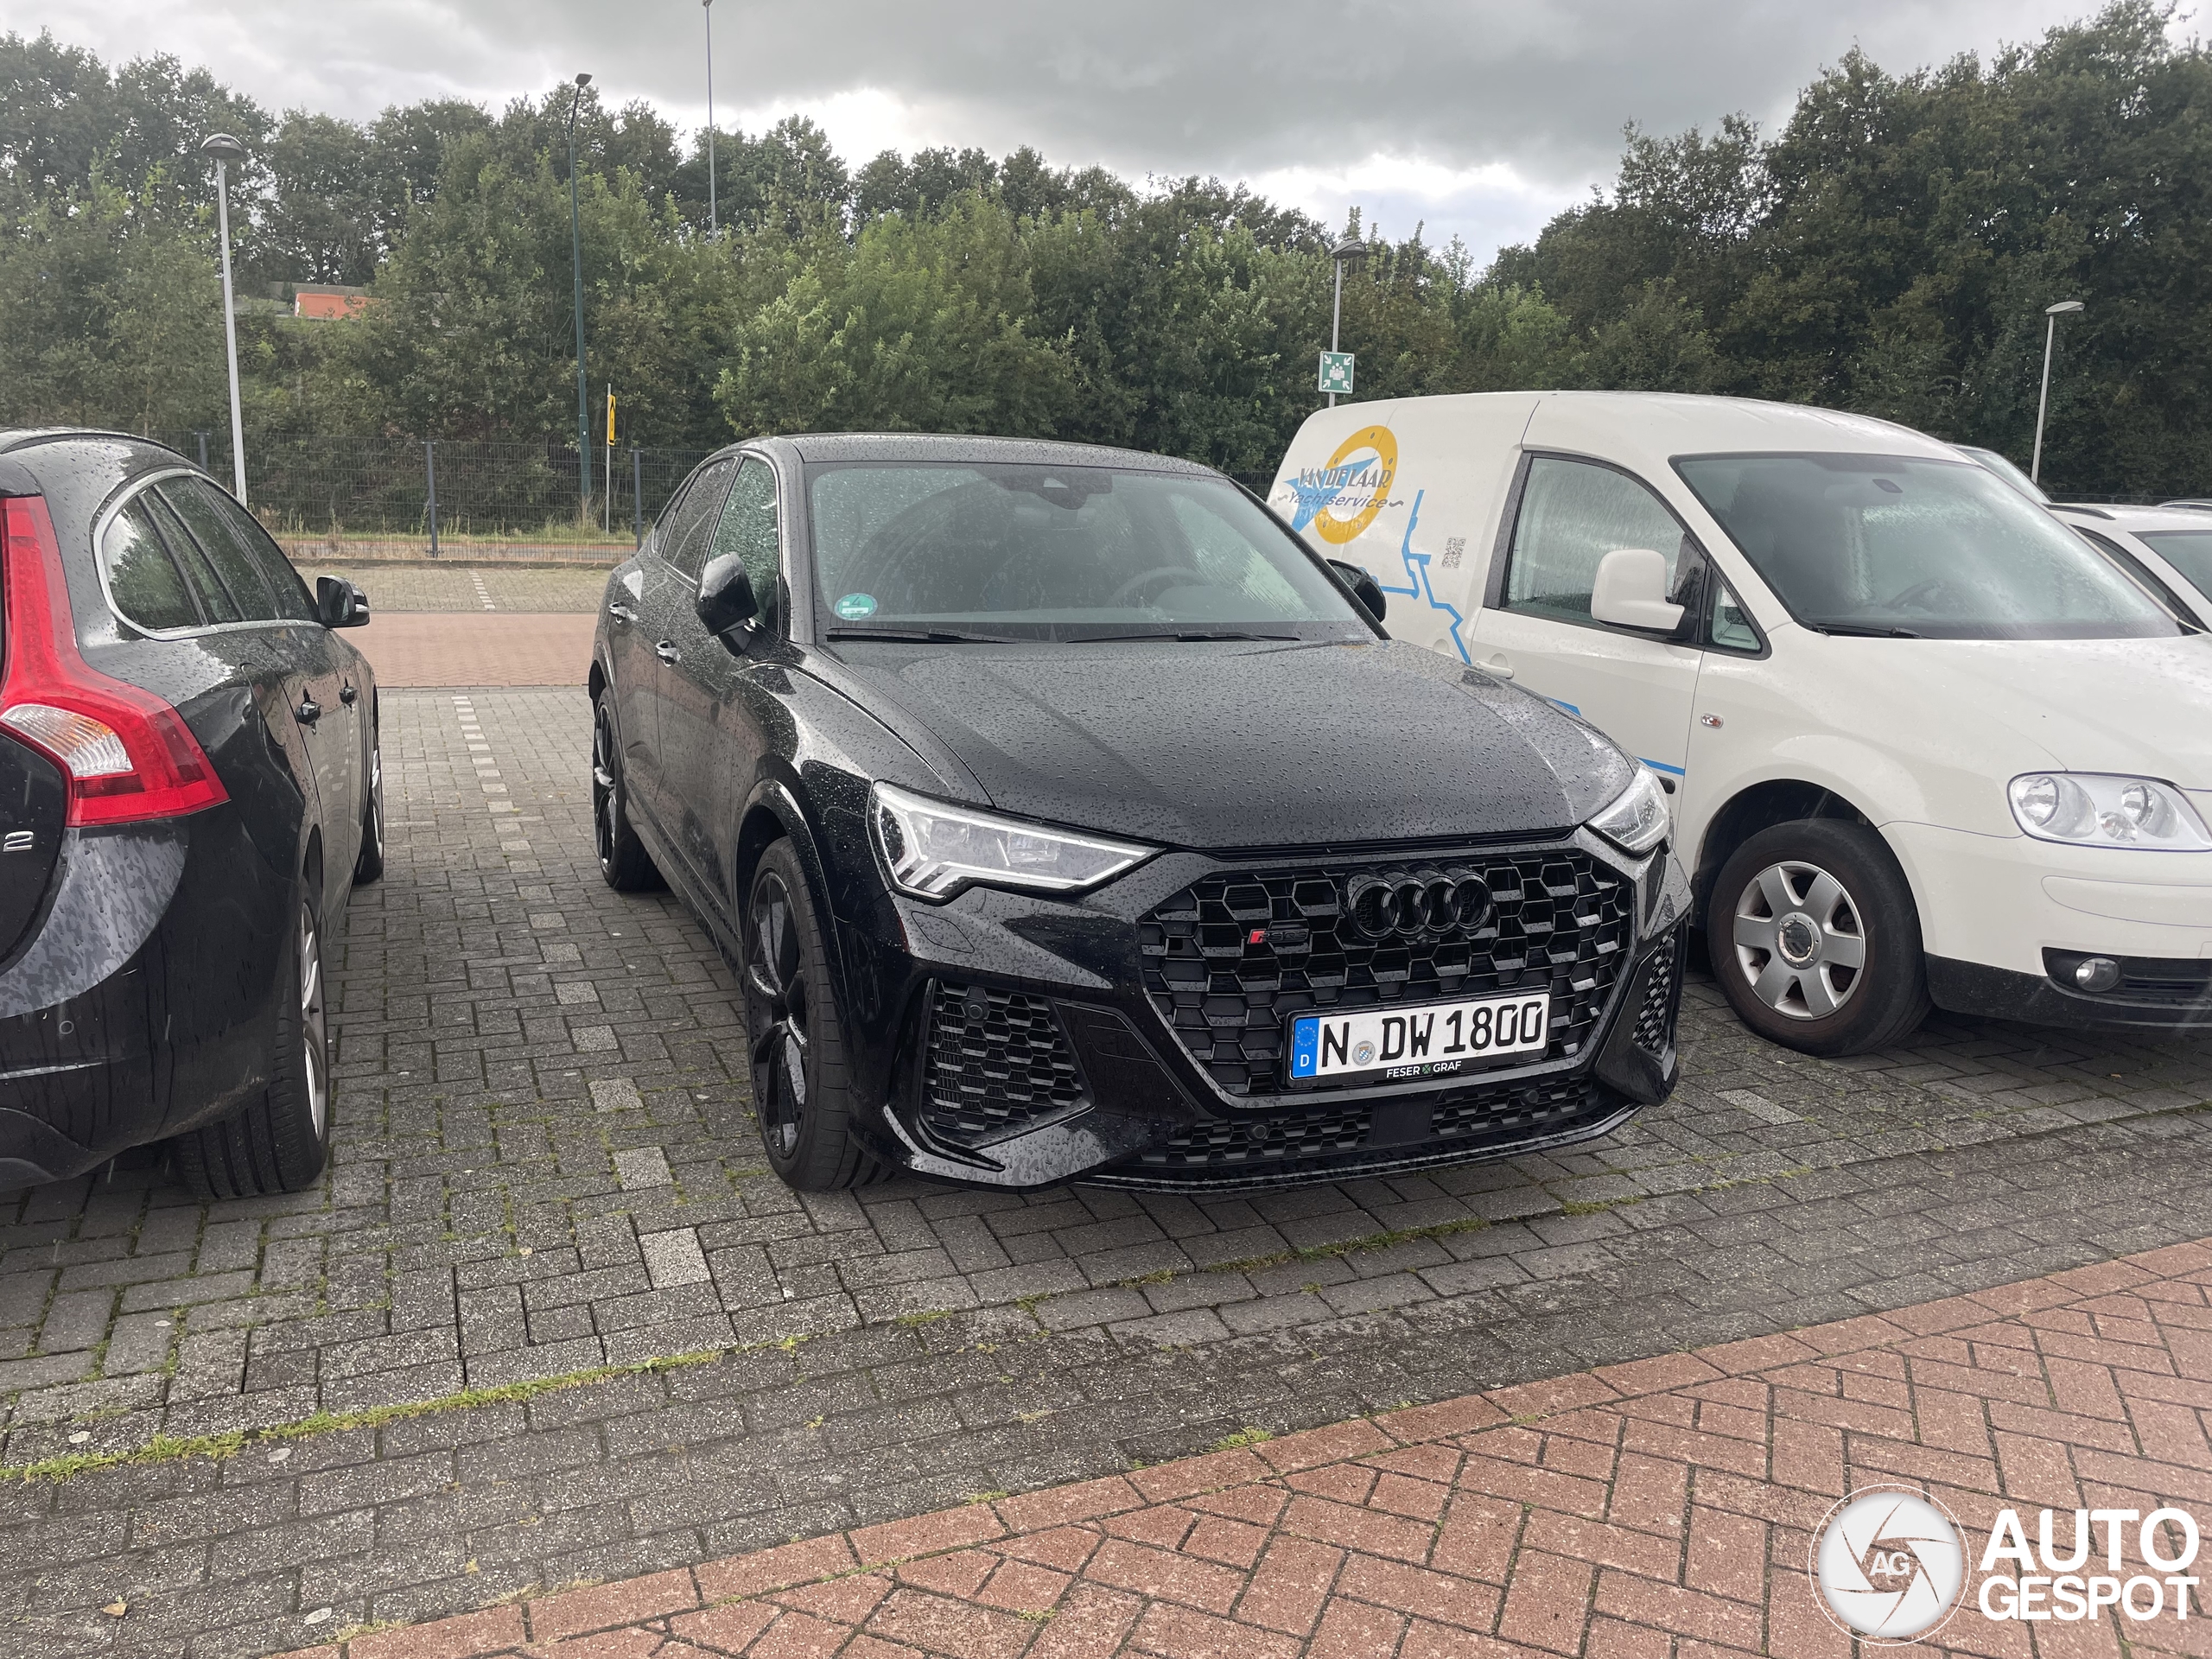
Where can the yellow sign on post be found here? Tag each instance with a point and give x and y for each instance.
(606, 501)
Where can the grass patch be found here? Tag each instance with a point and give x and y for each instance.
(1246, 1436)
(165, 1448)
(1370, 1242)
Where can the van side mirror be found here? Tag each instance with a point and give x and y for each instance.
(340, 604)
(725, 599)
(1364, 588)
(1631, 591)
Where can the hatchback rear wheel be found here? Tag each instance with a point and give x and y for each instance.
(280, 1141)
(1815, 939)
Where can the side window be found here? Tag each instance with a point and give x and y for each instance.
(1728, 626)
(1573, 514)
(683, 540)
(2139, 574)
(748, 530)
(236, 568)
(216, 604)
(147, 588)
(285, 582)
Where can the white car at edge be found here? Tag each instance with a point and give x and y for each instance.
(1924, 745)
(2166, 549)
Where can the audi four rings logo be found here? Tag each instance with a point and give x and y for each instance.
(1410, 904)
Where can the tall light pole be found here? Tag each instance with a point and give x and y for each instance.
(577, 255)
(223, 150)
(1345, 253)
(713, 223)
(2051, 315)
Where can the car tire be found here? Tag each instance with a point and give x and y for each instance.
(281, 1139)
(1815, 939)
(802, 1087)
(370, 865)
(623, 860)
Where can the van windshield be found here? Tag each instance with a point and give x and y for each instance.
(2189, 551)
(1909, 547)
(1049, 552)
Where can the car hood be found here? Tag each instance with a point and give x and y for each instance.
(2087, 705)
(1220, 744)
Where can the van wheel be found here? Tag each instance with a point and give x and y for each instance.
(1815, 939)
(802, 1086)
(623, 860)
(280, 1141)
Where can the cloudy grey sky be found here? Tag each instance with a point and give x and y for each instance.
(1481, 117)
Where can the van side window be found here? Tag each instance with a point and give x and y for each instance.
(1730, 628)
(748, 530)
(1573, 514)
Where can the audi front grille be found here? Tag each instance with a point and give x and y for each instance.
(1230, 959)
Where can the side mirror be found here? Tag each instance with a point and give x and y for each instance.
(1364, 588)
(1631, 591)
(725, 599)
(340, 604)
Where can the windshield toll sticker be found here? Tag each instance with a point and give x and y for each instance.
(854, 608)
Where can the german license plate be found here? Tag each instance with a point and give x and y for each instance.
(1433, 1039)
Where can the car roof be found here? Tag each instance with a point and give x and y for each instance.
(978, 450)
(2140, 518)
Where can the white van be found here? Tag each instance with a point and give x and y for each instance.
(1923, 742)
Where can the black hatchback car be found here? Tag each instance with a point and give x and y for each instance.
(1067, 816)
(189, 786)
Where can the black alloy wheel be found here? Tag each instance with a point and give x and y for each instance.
(370, 865)
(280, 1141)
(801, 1092)
(1815, 939)
(623, 860)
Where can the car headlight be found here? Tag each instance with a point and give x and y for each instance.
(1637, 820)
(2094, 809)
(933, 849)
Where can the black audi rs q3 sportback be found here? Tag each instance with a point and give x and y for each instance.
(190, 787)
(1066, 816)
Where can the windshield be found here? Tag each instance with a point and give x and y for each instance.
(1916, 547)
(2189, 551)
(1038, 552)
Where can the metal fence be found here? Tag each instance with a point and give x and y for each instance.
(519, 499)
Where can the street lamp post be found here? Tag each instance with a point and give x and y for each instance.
(1346, 251)
(577, 256)
(713, 222)
(223, 150)
(2051, 315)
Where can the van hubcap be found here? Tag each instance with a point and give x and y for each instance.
(1801, 941)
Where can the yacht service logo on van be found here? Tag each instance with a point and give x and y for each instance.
(1341, 499)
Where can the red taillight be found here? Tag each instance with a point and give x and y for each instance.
(128, 754)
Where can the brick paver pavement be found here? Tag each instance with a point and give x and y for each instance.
(491, 648)
(1661, 1507)
(550, 1319)
(394, 587)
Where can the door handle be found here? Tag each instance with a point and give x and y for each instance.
(620, 612)
(1497, 668)
(349, 697)
(666, 650)
(308, 712)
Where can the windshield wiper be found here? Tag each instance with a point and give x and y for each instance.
(1178, 634)
(923, 636)
(1854, 631)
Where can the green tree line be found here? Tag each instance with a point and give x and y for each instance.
(1890, 249)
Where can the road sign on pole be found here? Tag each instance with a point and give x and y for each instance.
(1336, 372)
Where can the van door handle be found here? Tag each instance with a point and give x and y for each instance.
(308, 712)
(1497, 668)
(666, 650)
(620, 612)
(349, 697)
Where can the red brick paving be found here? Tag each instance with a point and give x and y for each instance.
(494, 648)
(1657, 1510)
